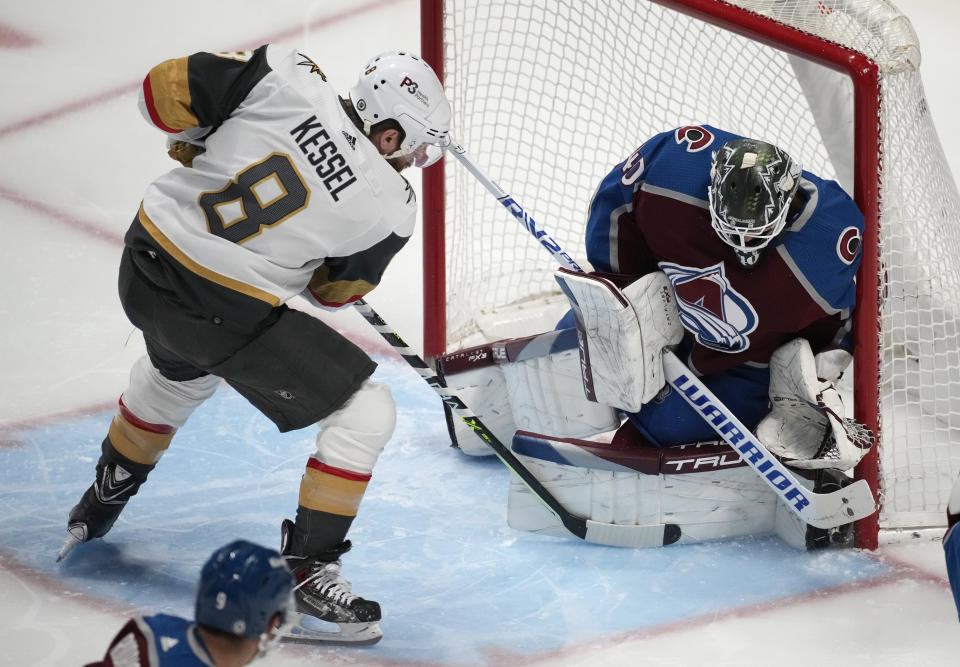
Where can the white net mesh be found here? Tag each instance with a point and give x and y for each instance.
(549, 95)
(920, 371)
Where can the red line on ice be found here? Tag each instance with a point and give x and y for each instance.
(130, 88)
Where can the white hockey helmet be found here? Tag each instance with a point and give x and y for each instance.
(401, 86)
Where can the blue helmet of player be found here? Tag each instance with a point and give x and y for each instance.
(243, 587)
(752, 184)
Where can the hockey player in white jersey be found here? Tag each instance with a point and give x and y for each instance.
(286, 189)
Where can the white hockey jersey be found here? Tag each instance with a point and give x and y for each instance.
(288, 197)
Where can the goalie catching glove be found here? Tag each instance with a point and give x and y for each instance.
(622, 335)
(806, 426)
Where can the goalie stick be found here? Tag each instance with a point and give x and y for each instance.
(609, 534)
(821, 510)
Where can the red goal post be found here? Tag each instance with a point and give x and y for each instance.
(547, 96)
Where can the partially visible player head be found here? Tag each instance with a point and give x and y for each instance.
(752, 184)
(245, 591)
(399, 91)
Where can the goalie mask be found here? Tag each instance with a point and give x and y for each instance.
(400, 86)
(751, 186)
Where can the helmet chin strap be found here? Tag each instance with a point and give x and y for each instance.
(395, 154)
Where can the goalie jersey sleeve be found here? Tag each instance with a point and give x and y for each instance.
(651, 213)
(288, 197)
(156, 641)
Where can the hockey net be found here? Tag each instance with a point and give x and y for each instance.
(549, 96)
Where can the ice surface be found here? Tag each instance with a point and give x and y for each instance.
(458, 587)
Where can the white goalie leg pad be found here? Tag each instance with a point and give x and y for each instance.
(622, 335)
(468, 441)
(806, 426)
(722, 500)
(605, 495)
(788, 526)
(530, 383)
(546, 396)
(353, 437)
(157, 400)
(482, 387)
(707, 506)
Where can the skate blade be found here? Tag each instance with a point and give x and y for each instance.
(306, 629)
(76, 534)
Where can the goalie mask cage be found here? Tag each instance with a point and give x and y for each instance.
(549, 95)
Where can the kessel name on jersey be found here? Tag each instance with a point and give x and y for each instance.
(330, 164)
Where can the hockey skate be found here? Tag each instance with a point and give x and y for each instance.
(102, 502)
(326, 610)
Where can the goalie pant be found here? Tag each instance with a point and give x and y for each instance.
(156, 641)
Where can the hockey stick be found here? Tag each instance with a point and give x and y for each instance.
(515, 210)
(609, 534)
(821, 510)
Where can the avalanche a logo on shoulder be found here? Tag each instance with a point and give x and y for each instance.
(716, 314)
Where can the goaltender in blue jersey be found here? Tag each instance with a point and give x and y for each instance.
(724, 250)
(741, 294)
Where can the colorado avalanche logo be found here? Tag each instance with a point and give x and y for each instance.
(696, 137)
(717, 315)
(848, 245)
